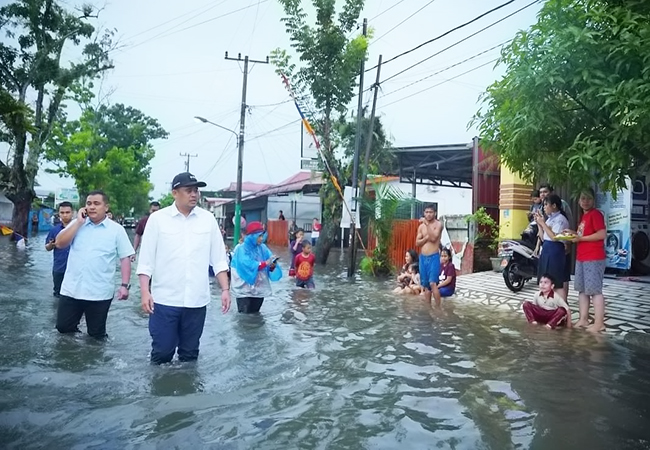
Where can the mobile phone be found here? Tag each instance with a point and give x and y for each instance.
(84, 214)
(275, 260)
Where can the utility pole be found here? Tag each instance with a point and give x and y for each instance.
(370, 129)
(355, 168)
(187, 161)
(240, 156)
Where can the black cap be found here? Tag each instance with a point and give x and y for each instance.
(186, 179)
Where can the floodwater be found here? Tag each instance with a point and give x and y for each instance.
(347, 366)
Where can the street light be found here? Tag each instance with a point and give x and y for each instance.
(239, 176)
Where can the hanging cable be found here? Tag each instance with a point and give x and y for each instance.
(402, 22)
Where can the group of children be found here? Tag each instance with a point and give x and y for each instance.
(409, 277)
(302, 261)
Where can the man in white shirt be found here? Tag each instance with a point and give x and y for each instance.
(96, 243)
(179, 243)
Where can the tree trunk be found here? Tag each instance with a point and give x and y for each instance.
(325, 242)
(22, 205)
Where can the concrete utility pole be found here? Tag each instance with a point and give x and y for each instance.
(355, 168)
(240, 157)
(364, 179)
(187, 161)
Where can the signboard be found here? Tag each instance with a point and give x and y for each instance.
(618, 219)
(308, 147)
(345, 219)
(66, 195)
(309, 164)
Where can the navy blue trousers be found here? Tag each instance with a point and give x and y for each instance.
(172, 328)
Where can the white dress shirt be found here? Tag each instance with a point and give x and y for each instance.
(176, 253)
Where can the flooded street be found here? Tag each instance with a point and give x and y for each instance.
(348, 366)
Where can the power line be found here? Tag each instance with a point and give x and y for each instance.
(442, 82)
(163, 35)
(447, 68)
(293, 122)
(446, 33)
(399, 24)
(386, 10)
(461, 40)
(210, 5)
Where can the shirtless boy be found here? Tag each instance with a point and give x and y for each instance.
(428, 238)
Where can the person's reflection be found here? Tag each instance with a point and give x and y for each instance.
(69, 356)
(176, 380)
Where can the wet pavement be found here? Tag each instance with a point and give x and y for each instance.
(627, 302)
(347, 366)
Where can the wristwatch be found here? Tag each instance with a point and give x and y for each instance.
(126, 285)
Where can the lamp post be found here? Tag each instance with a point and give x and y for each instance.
(237, 232)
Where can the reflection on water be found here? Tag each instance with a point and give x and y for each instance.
(345, 366)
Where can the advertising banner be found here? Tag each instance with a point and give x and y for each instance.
(618, 219)
(66, 195)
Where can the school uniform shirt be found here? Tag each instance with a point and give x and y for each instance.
(92, 261)
(448, 271)
(60, 260)
(592, 221)
(550, 303)
(176, 252)
(556, 222)
(304, 266)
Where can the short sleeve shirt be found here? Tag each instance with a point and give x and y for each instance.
(448, 271)
(592, 221)
(305, 266)
(60, 254)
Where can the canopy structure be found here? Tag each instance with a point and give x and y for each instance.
(438, 165)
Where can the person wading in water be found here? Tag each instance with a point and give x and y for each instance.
(428, 238)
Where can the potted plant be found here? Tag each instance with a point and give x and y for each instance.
(486, 231)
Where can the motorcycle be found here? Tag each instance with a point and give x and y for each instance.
(519, 261)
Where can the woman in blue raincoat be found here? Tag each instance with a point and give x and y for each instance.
(253, 269)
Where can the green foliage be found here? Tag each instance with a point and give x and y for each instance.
(575, 99)
(34, 35)
(324, 84)
(166, 200)
(382, 211)
(108, 148)
(486, 228)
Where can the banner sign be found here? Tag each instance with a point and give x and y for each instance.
(618, 215)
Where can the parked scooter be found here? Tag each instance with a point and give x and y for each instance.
(519, 262)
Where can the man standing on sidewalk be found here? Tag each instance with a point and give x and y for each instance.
(139, 228)
(96, 243)
(428, 238)
(180, 242)
(60, 254)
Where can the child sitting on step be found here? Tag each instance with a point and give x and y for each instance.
(547, 307)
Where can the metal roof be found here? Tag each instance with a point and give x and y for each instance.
(438, 165)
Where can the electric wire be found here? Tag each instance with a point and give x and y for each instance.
(460, 41)
(442, 82)
(503, 5)
(402, 22)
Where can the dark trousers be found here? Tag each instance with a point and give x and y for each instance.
(70, 311)
(57, 277)
(552, 317)
(174, 327)
(249, 305)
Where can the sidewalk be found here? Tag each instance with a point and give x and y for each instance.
(627, 303)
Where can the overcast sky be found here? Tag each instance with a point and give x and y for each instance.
(173, 68)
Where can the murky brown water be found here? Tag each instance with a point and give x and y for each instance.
(347, 366)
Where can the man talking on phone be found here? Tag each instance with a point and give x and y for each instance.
(96, 243)
(179, 243)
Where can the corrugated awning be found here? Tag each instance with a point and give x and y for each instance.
(438, 165)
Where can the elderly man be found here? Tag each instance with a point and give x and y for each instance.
(179, 243)
(96, 243)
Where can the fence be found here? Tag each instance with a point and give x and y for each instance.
(278, 232)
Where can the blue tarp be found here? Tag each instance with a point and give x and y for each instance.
(44, 218)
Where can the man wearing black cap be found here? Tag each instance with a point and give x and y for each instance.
(179, 243)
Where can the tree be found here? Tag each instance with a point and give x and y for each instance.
(108, 148)
(30, 59)
(166, 200)
(325, 84)
(382, 211)
(574, 103)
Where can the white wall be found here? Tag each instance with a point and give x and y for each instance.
(451, 201)
(6, 209)
(308, 207)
